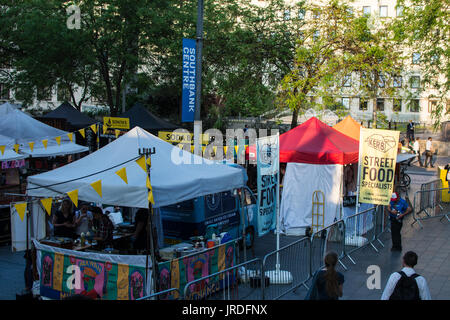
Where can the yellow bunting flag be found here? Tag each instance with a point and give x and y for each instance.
(82, 132)
(105, 128)
(16, 148)
(47, 204)
(73, 195)
(236, 148)
(21, 208)
(117, 132)
(58, 140)
(149, 186)
(70, 135)
(192, 149)
(225, 149)
(141, 163)
(31, 144)
(150, 197)
(149, 162)
(97, 185)
(2, 149)
(94, 128)
(45, 142)
(203, 150)
(215, 149)
(123, 174)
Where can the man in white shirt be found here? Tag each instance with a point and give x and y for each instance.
(428, 153)
(416, 148)
(409, 261)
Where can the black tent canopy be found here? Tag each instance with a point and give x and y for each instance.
(73, 117)
(140, 116)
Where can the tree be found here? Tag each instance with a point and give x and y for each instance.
(424, 27)
(320, 56)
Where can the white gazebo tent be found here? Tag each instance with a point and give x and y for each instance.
(24, 129)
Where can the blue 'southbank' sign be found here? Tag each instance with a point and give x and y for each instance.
(189, 81)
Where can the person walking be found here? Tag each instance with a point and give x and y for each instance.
(429, 153)
(416, 148)
(410, 131)
(406, 284)
(327, 283)
(398, 208)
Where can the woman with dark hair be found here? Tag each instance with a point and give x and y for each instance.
(64, 220)
(327, 283)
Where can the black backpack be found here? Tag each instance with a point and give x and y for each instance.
(406, 288)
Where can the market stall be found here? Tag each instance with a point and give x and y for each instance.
(315, 155)
(118, 174)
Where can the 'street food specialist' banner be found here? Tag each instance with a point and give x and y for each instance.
(268, 168)
(377, 159)
(189, 80)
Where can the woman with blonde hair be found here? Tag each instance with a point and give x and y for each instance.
(327, 282)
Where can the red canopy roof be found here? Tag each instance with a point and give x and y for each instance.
(317, 143)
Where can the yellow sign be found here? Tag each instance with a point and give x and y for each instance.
(180, 137)
(116, 123)
(377, 159)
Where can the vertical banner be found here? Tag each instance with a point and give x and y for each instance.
(189, 78)
(378, 156)
(268, 167)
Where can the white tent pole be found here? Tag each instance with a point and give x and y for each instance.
(278, 202)
(359, 173)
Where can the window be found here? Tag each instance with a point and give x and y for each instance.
(347, 81)
(416, 58)
(301, 14)
(363, 105)
(414, 105)
(44, 94)
(415, 82)
(383, 11)
(399, 11)
(366, 11)
(346, 103)
(381, 80)
(62, 94)
(397, 105)
(4, 92)
(397, 82)
(432, 104)
(380, 104)
(287, 14)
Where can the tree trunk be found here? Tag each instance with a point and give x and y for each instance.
(294, 118)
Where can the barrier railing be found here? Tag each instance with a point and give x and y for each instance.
(381, 223)
(169, 294)
(287, 269)
(360, 231)
(322, 241)
(241, 282)
(428, 201)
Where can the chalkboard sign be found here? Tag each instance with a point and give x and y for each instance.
(349, 201)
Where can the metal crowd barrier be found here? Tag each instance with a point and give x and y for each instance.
(428, 201)
(241, 282)
(169, 294)
(381, 223)
(287, 268)
(360, 231)
(327, 239)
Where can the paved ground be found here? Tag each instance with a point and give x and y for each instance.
(432, 244)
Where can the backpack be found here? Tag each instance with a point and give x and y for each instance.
(406, 288)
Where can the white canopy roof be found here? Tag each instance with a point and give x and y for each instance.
(23, 129)
(171, 180)
(9, 153)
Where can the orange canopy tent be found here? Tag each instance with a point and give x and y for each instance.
(349, 126)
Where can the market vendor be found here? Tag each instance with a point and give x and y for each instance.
(139, 238)
(64, 220)
(103, 228)
(83, 220)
